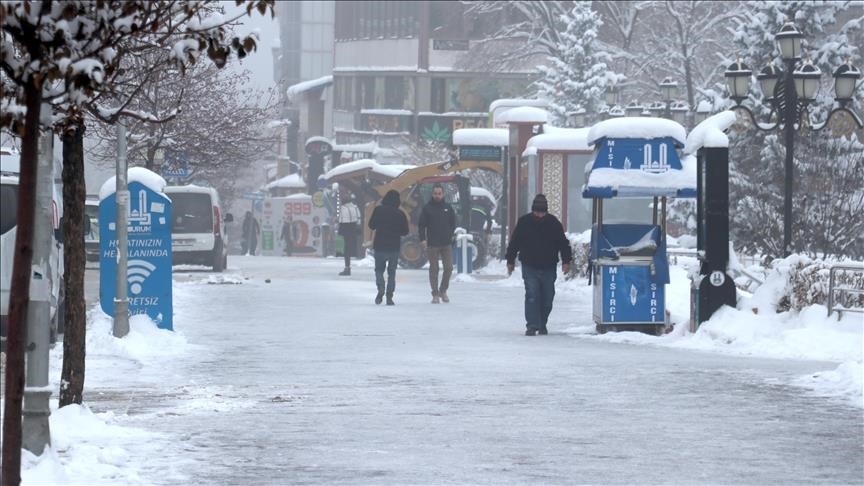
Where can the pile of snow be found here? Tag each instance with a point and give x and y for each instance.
(711, 132)
(291, 181)
(755, 329)
(555, 138)
(524, 114)
(497, 137)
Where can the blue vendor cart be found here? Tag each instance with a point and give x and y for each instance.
(635, 159)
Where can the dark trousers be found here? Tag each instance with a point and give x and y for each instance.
(539, 294)
(350, 239)
(388, 260)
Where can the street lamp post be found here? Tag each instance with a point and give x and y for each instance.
(788, 93)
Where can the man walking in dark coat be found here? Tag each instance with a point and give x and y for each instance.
(390, 225)
(538, 238)
(436, 226)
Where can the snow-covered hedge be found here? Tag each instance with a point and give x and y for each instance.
(798, 281)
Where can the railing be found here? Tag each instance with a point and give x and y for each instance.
(832, 289)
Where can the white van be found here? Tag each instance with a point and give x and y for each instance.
(198, 233)
(10, 160)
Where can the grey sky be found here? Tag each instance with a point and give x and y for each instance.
(260, 62)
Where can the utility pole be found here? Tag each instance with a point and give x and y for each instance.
(35, 427)
(121, 299)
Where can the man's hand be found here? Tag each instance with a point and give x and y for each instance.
(423, 244)
(510, 268)
(566, 268)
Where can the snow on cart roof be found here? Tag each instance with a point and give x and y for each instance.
(637, 127)
(524, 114)
(556, 138)
(498, 137)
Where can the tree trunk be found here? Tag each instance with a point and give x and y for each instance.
(74, 260)
(20, 292)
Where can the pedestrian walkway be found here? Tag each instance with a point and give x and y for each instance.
(294, 376)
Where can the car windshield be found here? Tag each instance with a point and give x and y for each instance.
(191, 213)
(8, 207)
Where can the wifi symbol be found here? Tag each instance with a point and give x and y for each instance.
(137, 272)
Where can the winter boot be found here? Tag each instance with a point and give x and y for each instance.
(379, 297)
(543, 331)
(435, 298)
(346, 272)
(444, 297)
(531, 332)
(390, 299)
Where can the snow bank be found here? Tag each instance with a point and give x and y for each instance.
(289, 181)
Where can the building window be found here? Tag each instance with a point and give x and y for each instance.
(366, 91)
(438, 102)
(394, 92)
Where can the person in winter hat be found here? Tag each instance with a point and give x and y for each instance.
(436, 225)
(390, 225)
(349, 227)
(537, 239)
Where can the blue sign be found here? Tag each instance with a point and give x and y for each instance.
(631, 295)
(176, 164)
(652, 155)
(255, 196)
(148, 272)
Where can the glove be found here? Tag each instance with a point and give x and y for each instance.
(510, 268)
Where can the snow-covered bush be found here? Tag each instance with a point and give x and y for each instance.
(580, 244)
(798, 281)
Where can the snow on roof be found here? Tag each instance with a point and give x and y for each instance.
(559, 139)
(191, 188)
(368, 147)
(483, 192)
(523, 114)
(514, 102)
(498, 137)
(318, 138)
(637, 127)
(385, 111)
(152, 180)
(711, 132)
(388, 170)
(289, 181)
(637, 183)
(296, 89)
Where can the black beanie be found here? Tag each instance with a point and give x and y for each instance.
(540, 205)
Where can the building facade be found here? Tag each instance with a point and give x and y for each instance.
(397, 75)
(302, 63)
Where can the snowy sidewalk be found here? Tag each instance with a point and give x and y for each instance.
(303, 380)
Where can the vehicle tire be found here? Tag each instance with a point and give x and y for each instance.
(411, 254)
(218, 258)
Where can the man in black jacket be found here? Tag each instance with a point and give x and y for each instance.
(538, 238)
(436, 226)
(390, 225)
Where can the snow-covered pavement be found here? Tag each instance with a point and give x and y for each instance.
(303, 380)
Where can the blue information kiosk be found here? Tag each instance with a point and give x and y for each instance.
(148, 271)
(634, 158)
